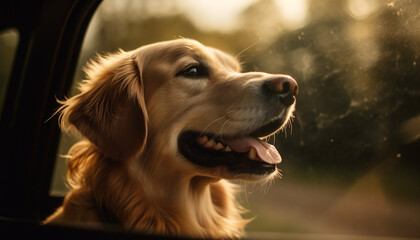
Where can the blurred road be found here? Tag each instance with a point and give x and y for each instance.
(362, 209)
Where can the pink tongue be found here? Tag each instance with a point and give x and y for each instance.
(266, 152)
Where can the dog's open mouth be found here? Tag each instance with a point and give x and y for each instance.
(241, 155)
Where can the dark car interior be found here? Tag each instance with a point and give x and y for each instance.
(50, 36)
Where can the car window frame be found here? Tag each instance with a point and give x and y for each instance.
(51, 35)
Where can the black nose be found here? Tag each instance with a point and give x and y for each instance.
(284, 87)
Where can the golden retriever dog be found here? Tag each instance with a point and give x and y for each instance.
(166, 126)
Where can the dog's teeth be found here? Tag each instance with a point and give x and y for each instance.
(218, 146)
(210, 143)
(228, 149)
(252, 154)
(202, 140)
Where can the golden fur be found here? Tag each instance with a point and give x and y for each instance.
(131, 111)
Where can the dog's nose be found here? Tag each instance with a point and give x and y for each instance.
(284, 86)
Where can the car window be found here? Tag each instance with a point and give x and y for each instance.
(350, 155)
(9, 40)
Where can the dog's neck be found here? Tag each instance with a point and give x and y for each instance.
(163, 202)
(175, 204)
(156, 199)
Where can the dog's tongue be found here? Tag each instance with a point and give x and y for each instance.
(266, 152)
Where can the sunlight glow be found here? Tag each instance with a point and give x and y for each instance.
(219, 15)
(360, 9)
(293, 13)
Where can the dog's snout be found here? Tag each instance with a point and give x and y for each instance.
(285, 87)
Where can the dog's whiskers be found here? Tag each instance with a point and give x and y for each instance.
(247, 48)
(290, 125)
(274, 139)
(208, 125)
(221, 129)
(269, 181)
(226, 115)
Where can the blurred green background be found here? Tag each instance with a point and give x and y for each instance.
(351, 160)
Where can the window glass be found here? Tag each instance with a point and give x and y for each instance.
(9, 40)
(351, 156)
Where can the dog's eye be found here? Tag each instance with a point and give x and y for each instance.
(193, 72)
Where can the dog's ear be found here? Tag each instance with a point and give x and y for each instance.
(110, 110)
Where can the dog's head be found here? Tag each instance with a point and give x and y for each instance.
(184, 106)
